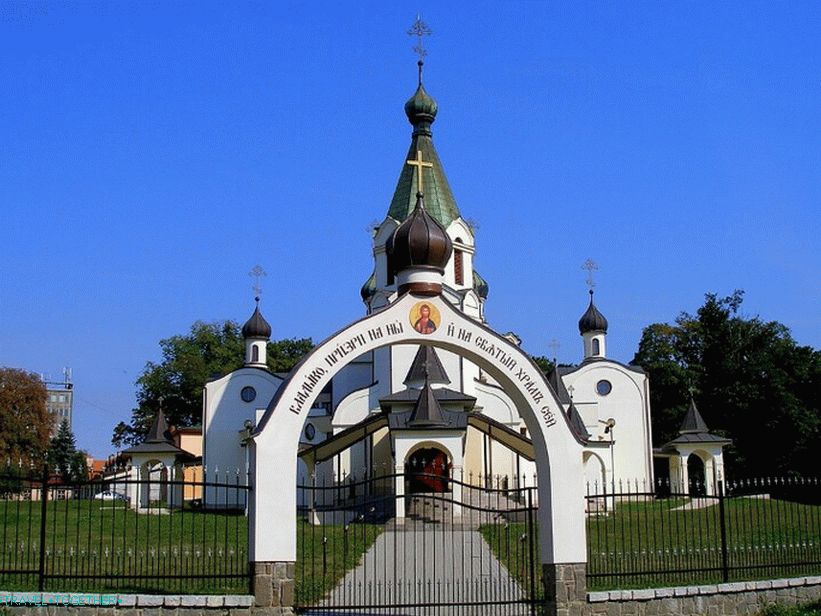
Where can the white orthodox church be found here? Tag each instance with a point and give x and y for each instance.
(411, 405)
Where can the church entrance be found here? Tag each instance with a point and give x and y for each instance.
(427, 470)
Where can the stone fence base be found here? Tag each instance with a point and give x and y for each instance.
(274, 587)
(565, 595)
(92, 604)
(742, 598)
(564, 588)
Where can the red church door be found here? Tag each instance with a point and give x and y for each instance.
(428, 470)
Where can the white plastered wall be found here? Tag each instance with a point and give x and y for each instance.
(225, 413)
(627, 404)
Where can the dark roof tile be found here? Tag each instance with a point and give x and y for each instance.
(426, 366)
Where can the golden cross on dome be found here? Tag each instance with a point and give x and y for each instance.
(419, 164)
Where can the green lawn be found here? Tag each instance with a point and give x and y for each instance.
(89, 542)
(511, 544)
(325, 553)
(765, 539)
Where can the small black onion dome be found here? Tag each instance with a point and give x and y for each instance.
(592, 320)
(421, 107)
(368, 289)
(480, 285)
(419, 242)
(256, 326)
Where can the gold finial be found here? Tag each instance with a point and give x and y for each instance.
(591, 266)
(419, 164)
(420, 29)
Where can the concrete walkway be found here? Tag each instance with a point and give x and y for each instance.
(427, 564)
(699, 502)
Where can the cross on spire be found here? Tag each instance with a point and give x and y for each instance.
(419, 164)
(420, 29)
(554, 348)
(257, 273)
(591, 266)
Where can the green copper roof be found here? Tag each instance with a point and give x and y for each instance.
(421, 104)
(439, 202)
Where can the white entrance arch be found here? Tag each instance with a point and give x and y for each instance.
(273, 446)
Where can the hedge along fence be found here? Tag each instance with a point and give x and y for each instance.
(751, 529)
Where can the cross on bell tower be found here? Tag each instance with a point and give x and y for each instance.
(420, 29)
(419, 164)
(257, 273)
(554, 349)
(591, 266)
(592, 325)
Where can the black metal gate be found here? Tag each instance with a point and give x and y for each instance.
(120, 534)
(470, 547)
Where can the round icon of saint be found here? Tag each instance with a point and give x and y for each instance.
(424, 317)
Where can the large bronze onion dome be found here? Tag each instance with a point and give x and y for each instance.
(592, 320)
(256, 326)
(418, 251)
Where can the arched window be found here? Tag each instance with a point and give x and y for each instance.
(596, 347)
(255, 353)
(458, 268)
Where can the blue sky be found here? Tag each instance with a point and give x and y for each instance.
(152, 153)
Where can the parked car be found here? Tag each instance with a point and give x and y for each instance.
(108, 495)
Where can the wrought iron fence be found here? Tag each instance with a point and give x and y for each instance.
(659, 535)
(154, 530)
(422, 541)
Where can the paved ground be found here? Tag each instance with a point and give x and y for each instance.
(701, 502)
(415, 565)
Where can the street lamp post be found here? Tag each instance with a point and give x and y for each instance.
(609, 427)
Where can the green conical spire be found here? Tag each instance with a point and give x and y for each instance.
(439, 202)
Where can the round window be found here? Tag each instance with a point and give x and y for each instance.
(248, 394)
(604, 387)
(310, 432)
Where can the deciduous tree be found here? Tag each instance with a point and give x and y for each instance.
(188, 362)
(752, 383)
(25, 423)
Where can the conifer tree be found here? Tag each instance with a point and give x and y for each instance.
(63, 456)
